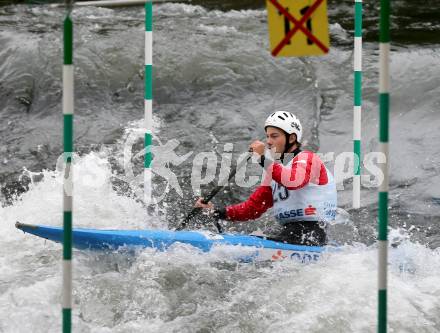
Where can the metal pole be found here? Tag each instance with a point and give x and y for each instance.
(68, 179)
(148, 99)
(357, 103)
(117, 3)
(384, 101)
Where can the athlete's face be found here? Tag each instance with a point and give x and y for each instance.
(276, 139)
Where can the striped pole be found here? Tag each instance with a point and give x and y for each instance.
(384, 101)
(148, 99)
(68, 183)
(357, 103)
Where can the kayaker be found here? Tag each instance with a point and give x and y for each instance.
(297, 185)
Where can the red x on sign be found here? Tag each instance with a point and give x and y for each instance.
(299, 25)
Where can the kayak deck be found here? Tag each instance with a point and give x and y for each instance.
(95, 239)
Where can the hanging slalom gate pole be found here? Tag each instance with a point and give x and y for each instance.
(357, 103)
(384, 102)
(148, 99)
(68, 177)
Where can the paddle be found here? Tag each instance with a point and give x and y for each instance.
(211, 195)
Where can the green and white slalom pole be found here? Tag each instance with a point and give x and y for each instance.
(68, 177)
(148, 99)
(357, 103)
(384, 101)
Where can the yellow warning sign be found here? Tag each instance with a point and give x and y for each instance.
(298, 27)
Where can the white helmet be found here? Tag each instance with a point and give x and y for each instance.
(286, 121)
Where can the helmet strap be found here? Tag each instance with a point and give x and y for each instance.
(287, 146)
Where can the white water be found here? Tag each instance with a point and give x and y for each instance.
(220, 79)
(184, 290)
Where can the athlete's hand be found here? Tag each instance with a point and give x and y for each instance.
(199, 203)
(257, 147)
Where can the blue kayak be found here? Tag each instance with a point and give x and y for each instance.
(252, 247)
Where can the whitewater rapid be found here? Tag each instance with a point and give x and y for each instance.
(215, 83)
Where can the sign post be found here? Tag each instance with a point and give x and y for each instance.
(298, 27)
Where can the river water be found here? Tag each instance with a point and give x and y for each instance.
(214, 84)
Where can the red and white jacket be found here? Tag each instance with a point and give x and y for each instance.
(304, 190)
